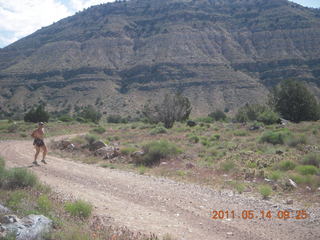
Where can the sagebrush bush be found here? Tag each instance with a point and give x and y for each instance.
(268, 117)
(91, 138)
(301, 179)
(275, 175)
(157, 150)
(128, 150)
(79, 208)
(295, 140)
(193, 138)
(218, 115)
(19, 178)
(99, 130)
(240, 133)
(307, 169)
(158, 130)
(44, 205)
(275, 137)
(265, 191)
(310, 159)
(286, 165)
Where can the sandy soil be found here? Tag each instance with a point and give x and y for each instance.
(159, 205)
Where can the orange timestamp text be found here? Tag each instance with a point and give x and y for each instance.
(262, 214)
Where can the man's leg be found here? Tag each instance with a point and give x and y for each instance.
(36, 155)
(45, 150)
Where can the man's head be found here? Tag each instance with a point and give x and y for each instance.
(40, 124)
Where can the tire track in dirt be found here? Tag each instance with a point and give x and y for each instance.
(158, 205)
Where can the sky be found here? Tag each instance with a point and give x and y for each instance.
(19, 18)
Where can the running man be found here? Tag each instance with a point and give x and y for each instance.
(39, 144)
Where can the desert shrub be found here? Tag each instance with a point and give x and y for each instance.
(301, 179)
(265, 191)
(37, 115)
(79, 209)
(204, 120)
(2, 164)
(128, 150)
(286, 165)
(173, 108)
(12, 128)
(44, 205)
(157, 150)
(99, 130)
(15, 199)
(275, 137)
(310, 159)
(89, 113)
(275, 175)
(91, 138)
(240, 187)
(307, 169)
(193, 138)
(65, 118)
(294, 101)
(240, 133)
(158, 130)
(218, 115)
(114, 118)
(215, 137)
(268, 117)
(295, 140)
(227, 166)
(24, 135)
(20, 178)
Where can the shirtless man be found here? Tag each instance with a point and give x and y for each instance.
(39, 144)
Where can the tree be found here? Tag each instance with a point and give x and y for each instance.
(218, 115)
(294, 102)
(173, 108)
(37, 115)
(89, 113)
(257, 112)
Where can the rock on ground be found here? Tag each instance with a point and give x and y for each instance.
(32, 227)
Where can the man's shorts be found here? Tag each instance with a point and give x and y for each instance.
(38, 142)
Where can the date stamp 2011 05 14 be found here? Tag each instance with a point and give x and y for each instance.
(251, 214)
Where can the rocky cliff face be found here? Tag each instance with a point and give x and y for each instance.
(219, 53)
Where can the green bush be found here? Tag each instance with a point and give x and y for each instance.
(157, 150)
(99, 130)
(65, 118)
(268, 117)
(37, 115)
(295, 140)
(193, 138)
(307, 169)
(158, 130)
(265, 191)
(250, 112)
(79, 209)
(275, 137)
(301, 179)
(204, 120)
(2, 164)
(294, 101)
(128, 150)
(286, 165)
(89, 113)
(218, 115)
(91, 138)
(20, 178)
(114, 118)
(309, 159)
(44, 205)
(275, 175)
(240, 133)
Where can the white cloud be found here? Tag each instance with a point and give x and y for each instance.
(20, 18)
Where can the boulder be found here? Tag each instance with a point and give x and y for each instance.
(97, 145)
(107, 152)
(32, 227)
(4, 210)
(191, 123)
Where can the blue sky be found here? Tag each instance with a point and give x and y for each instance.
(20, 18)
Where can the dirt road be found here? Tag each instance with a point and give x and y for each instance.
(158, 205)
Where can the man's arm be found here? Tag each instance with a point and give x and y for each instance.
(33, 134)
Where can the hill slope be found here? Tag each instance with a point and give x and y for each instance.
(219, 53)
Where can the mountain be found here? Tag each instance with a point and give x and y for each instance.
(219, 53)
